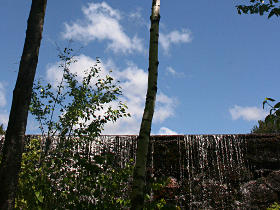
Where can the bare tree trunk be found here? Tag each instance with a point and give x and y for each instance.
(14, 138)
(138, 186)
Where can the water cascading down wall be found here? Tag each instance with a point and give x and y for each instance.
(206, 171)
(219, 171)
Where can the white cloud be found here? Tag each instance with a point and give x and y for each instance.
(166, 131)
(247, 113)
(3, 100)
(134, 84)
(32, 126)
(54, 73)
(4, 116)
(137, 18)
(136, 14)
(165, 107)
(4, 119)
(173, 72)
(133, 81)
(174, 37)
(102, 22)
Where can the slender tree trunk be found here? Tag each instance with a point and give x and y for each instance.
(138, 186)
(14, 138)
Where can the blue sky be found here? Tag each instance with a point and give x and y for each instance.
(216, 67)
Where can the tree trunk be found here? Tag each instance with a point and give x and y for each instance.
(138, 185)
(14, 138)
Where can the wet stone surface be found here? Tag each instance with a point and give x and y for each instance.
(207, 171)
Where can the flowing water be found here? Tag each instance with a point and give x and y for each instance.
(207, 169)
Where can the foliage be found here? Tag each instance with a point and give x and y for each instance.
(275, 206)
(34, 188)
(43, 187)
(59, 171)
(2, 131)
(274, 110)
(271, 124)
(161, 195)
(108, 187)
(81, 102)
(62, 172)
(260, 7)
(266, 127)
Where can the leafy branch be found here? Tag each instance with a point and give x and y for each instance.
(260, 7)
(271, 124)
(76, 107)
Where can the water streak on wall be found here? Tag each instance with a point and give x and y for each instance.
(207, 170)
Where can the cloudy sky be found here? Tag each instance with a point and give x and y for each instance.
(216, 67)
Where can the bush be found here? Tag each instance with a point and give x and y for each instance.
(58, 171)
(275, 206)
(87, 185)
(271, 124)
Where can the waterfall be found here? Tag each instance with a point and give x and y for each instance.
(207, 169)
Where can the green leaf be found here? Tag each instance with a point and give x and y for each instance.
(269, 99)
(264, 102)
(276, 106)
(268, 118)
(39, 197)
